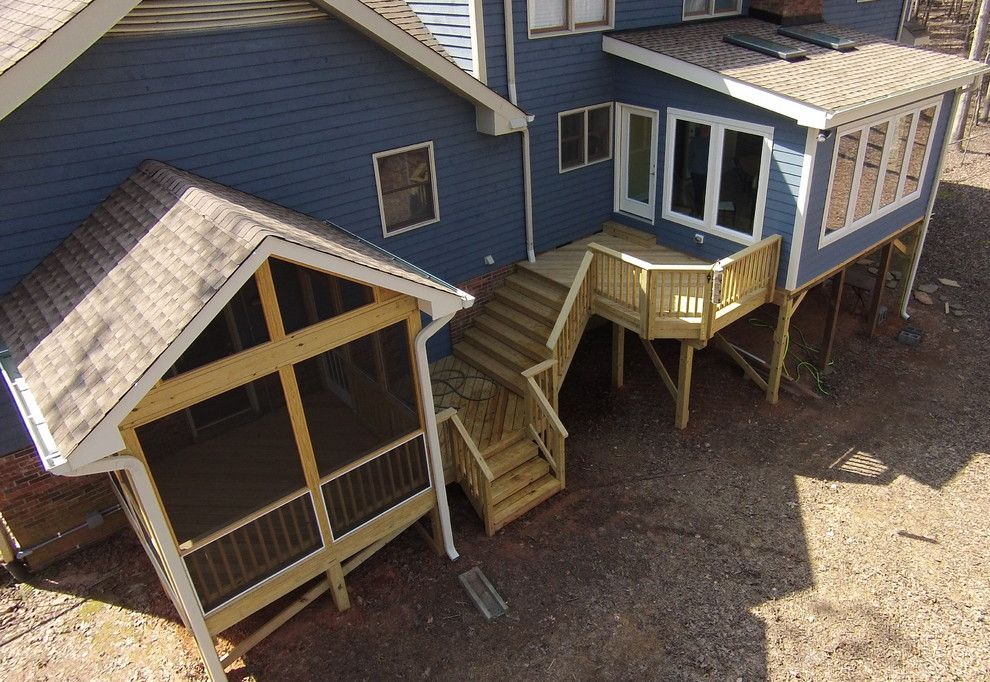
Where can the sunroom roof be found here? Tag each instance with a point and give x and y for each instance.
(86, 325)
(824, 89)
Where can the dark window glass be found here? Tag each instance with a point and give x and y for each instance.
(690, 182)
(306, 296)
(407, 188)
(572, 140)
(742, 157)
(599, 134)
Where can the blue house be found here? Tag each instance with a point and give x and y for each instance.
(232, 230)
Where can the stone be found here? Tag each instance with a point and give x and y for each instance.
(923, 298)
(872, 270)
(928, 288)
(892, 284)
(949, 282)
(896, 274)
(958, 312)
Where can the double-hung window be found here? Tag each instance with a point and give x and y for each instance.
(553, 17)
(585, 136)
(701, 9)
(877, 167)
(715, 174)
(407, 188)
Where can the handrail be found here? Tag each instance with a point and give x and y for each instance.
(752, 248)
(544, 404)
(451, 414)
(536, 369)
(645, 265)
(572, 294)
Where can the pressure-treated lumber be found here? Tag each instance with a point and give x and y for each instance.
(781, 340)
(878, 287)
(618, 355)
(737, 357)
(832, 318)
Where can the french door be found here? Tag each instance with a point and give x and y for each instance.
(636, 167)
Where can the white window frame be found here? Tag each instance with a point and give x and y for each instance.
(386, 232)
(610, 136)
(710, 13)
(572, 28)
(876, 211)
(718, 125)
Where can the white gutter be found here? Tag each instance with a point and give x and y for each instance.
(906, 295)
(185, 592)
(432, 437)
(510, 78)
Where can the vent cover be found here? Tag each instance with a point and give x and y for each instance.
(167, 16)
(764, 46)
(819, 38)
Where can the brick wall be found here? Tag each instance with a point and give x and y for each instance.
(35, 506)
(482, 288)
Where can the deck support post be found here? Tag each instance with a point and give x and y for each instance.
(835, 301)
(618, 355)
(781, 340)
(685, 365)
(338, 588)
(878, 287)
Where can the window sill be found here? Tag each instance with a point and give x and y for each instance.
(402, 230)
(597, 28)
(561, 170)
(714, 230)
(702, 17)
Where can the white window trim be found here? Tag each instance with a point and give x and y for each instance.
(712, 14)
(611, 134)
(433, 180)
(827, 236)
(710, 223)
(572, 28)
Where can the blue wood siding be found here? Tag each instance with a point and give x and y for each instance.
(450, 23)
(651, 89)
(880, 17)
(814, 260)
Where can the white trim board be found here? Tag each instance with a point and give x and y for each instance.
(804, 114)
(801, 213)
(428, 145)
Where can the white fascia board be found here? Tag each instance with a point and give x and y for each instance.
(105, 440)
(801, 214)
(46, 61)
(805, 114)
(34, 420)
(508, 117)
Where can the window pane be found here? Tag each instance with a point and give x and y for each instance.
(306, 296)
(351, 412)
(590, 12)
(638, 169)
(375, 487)
(845, 167)
(599, 134)
(548, 15)
(572, 140)
(926, 120)
(407, 188)
(895, 162)
(695, 7)
(742, 156)
(239, 326)
(871, 170)
(724, 6)
(690, 182)
(224, 458)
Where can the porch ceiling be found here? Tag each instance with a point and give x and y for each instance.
(825, 89)
(88, 328)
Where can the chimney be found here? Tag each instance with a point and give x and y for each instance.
(787, 12)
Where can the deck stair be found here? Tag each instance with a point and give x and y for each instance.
(508, 452)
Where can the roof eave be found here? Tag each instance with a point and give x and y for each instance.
(34, 420)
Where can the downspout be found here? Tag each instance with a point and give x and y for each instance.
(18, 571)
(185, 591)
(432, 437)
(510, 78)
(905, 9)
(906, 295)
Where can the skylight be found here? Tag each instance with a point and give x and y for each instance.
(764, 46)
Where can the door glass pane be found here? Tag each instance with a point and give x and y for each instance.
(895, 162)
(599, 134)
(742, 157)
(871, 170)
(590, 12)
(926, 119)
(548, 15)
(209, 479)
(640, 156)
(690, 182)
(845, 167)
(351, 411)
(572, 140)
(307, 296)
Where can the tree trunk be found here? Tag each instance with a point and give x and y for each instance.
(976, 54)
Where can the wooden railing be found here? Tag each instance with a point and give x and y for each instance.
(470, 467)
(748, 274)
(573, 317)
(544, 426)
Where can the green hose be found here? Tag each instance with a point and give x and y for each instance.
(803, 363)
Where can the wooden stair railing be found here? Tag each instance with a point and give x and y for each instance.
(470, 467)
(744, 281)
(542, 421)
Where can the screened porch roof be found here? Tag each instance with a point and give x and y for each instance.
(822, 90)
(87, 325)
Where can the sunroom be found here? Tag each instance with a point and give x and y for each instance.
(254, 380)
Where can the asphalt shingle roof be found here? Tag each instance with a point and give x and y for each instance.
(26, 24)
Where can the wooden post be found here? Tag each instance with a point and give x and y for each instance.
(781, 339)
(684, 385)
(618, 354)
(879, 286)
(828, 338)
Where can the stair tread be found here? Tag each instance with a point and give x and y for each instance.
(540, 289)
(506, 333)
(487, 363)
(520, 301)
(518, 478)
(508, 458)
(523, 500)
(503, 352)
(531, 327)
